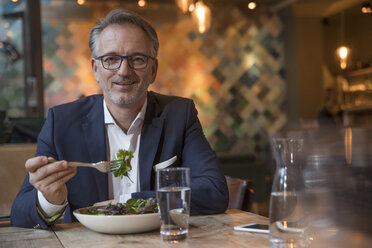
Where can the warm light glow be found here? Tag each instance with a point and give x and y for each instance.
(14, 1)
(366, 8)
(343, 64)
(202, 15)
(191, 7)
(348, 145)
(184, 5)
(343, 52)
(141, 3)
(252, 5)
(80, 2)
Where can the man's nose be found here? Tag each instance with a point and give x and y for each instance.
(124, 68)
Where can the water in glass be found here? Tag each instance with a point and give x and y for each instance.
(174, 212)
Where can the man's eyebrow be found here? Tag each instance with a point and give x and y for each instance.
(113, 53)
(109, 53)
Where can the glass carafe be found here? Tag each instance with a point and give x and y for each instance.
(287, 214)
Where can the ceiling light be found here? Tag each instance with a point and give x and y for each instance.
(343, 53)
(202, 16)
(366, 8)
(252, 5)
(141, 3)
(191, 7)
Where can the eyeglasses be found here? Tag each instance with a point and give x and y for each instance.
(135, 61)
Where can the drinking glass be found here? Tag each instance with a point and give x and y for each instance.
(288, 214)
(173, 196)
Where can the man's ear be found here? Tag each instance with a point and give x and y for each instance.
(93, 63)
(154, 70)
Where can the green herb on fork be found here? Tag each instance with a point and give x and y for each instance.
(124, 166)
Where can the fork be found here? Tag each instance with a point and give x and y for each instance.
(102, 166)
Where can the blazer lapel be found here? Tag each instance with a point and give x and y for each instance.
(95, 141)
(150, 137)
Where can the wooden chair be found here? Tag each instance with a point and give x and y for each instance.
(241, 193)
(13, 171)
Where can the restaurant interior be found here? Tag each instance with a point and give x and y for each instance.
(255, 70)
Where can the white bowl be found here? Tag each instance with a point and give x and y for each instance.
(118, 224)
(179, 218)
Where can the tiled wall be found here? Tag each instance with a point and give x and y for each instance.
(234, 72)
(66, 62)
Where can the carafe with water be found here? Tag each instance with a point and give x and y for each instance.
(288, 214)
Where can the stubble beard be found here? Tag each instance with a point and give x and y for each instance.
(124, 101)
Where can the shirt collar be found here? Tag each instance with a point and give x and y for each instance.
(110, 120)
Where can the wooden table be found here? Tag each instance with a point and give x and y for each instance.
(204, 231)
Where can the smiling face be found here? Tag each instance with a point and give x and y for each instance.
(124, 87)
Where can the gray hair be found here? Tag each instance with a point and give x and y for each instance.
(121, 16)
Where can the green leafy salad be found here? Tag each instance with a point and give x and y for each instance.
(132, 206)
(124, 166)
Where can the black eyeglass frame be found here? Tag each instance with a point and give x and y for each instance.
(125, 57)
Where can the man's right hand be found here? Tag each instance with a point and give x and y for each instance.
(49, 177)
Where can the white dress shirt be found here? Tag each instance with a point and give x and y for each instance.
(116, 139)
(122, 188)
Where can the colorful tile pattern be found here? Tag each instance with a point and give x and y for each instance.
(234, 75)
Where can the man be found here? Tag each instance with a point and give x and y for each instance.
(154, 127)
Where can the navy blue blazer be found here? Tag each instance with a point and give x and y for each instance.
(76, 132)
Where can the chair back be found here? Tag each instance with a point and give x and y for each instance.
(13, 171)
(241, 193)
